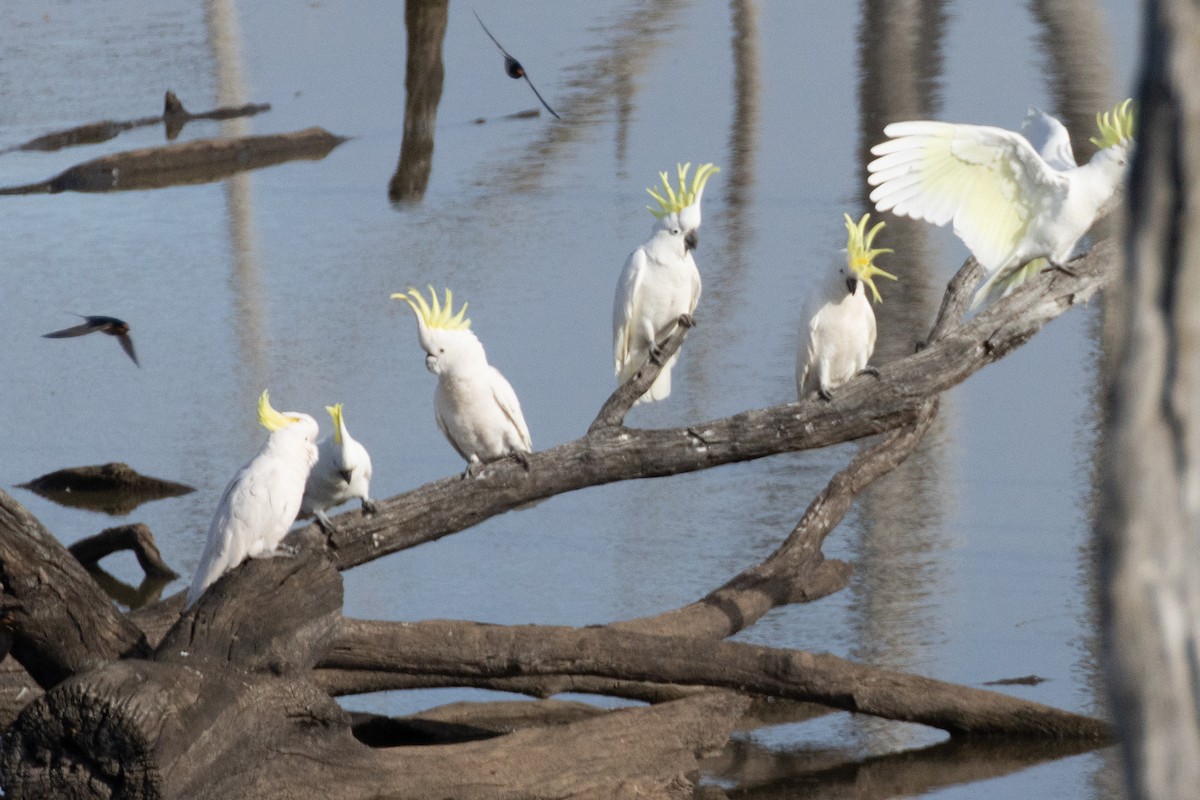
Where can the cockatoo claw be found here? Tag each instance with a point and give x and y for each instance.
(869, 371)
(522, 457)
(825, 394)
(369, 507)
(1063, 268)
(473, 469)
(687, 320)
(656, 355)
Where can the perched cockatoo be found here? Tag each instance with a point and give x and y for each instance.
(841, 334)
(262, 500)
(343, 472)
(660, 282)
(475, 406)
(1009, 204)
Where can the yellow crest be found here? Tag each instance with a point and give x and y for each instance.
(437, 315)
(335, 411)
(1116, 126)
(676, 201)
(271, 419)
(859, 255)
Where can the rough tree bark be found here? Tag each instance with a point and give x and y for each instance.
(1149, 517)
(233, 699)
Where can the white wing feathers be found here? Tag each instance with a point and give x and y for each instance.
(251, 520)
(506, 398)
(980, 177)
(625, 312)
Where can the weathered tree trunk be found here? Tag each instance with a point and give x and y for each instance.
(1149, 520)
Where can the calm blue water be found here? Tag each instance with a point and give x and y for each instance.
(972, 561)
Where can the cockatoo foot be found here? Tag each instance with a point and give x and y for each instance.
(326, 525)
(656, 355)
(473, 469)
(369, 507)
(687, 320)
(522, 457)
(825, 394)
(281, 551)
(1063, 268)
(869, 371)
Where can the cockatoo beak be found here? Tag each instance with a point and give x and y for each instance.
(691, 240)
(431, 363)
(851, 284)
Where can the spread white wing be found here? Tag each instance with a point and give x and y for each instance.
(990, 182)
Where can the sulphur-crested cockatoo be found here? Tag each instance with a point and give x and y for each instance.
(262, 500)
(660, 282)
(1008, 203)
(475, 406)
(343, 472)
(840, 337)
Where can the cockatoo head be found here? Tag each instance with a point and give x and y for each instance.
(445, 336)
(289, 424)
(681, 208)
(860, 257)
(1115, 140)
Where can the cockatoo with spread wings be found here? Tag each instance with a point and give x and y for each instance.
(1008, 203)
(660, 282)
(262, 500)
(476, 407)
(342, 473)
(841, 334)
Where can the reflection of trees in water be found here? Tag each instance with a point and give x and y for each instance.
(225, 39)
(897, 572)
(425, 21)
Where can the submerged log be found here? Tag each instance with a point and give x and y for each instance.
(174, 117)
(114, 488)
(200, 161)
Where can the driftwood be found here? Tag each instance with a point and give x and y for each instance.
(174, 117)
(232, 699)
(200, 161)
(114, 488)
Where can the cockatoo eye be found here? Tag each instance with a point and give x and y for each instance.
(675, 231)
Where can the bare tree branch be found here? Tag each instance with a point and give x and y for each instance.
(863, 407)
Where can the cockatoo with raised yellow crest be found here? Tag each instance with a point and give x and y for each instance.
(1008, 203)
(342, 473)
(660, 282)
(475, 406)
(262, 500)
(841, 334)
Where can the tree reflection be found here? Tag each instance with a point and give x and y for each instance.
(425, 21)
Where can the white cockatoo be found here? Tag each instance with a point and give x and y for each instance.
(343, 472)
(262, 500)
(1010, 204)
(475, 406)
(660, 282)
(841, 334)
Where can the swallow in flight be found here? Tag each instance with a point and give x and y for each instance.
(513, 67)
(110, 325)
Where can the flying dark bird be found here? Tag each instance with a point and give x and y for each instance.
(110, 325)
(513, 67)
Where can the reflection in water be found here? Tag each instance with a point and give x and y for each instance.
(225, 39)
(1077, 51)
(425, 21)
(900, 61)
(832, 773)
(1079, 56)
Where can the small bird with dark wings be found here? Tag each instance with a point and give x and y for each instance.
(513, 67)
(110, 325)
